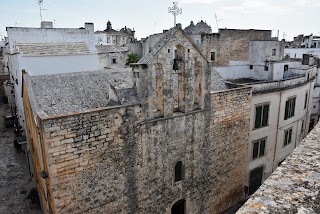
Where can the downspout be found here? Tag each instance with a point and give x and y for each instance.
(275, 148)
(42, 164)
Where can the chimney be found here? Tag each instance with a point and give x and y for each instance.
(89, 26)
(45, 24)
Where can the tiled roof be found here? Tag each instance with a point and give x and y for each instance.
(79, 92)
(66, 48)
(111, 48)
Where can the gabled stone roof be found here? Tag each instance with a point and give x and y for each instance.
(40, 49)
(110, 49)
(217, 82)
(155, 49)
(81, 91)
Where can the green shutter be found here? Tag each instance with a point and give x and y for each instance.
(255, 150)
(286, 110)
(265, 115)
(262, 147)
(257, 123)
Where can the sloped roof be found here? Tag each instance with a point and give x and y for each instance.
(217, 82)
(78, 92)
(66, 48)
(155, 49)
(111, 48)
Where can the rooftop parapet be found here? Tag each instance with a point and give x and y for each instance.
(294, 186)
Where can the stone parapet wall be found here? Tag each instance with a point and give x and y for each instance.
(294, 186)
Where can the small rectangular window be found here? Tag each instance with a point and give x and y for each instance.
(290, 108)
(266, 68)
(286, 67)
(262, 116)
(213, 56)
(287, 137)
(258, 148)
(274, 52)
(114, 61)
(251, 67)
(168, 50)
(305, 100)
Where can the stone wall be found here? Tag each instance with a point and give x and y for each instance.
(230, 44)
(229, 133)
(94, 160)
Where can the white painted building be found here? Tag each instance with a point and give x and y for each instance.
(281, 106)
(42, 51)
(297, 53)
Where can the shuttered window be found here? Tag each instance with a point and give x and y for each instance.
(290, 107)
(262, 116)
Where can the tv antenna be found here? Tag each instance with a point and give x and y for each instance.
(217, 20)
(40, 3)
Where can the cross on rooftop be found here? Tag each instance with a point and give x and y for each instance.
(175, 10)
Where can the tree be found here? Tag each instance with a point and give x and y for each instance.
(132, 58)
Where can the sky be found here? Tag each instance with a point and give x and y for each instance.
(290, 17)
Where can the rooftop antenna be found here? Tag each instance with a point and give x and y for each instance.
(175, 10)
(40, 3)
(217, 20)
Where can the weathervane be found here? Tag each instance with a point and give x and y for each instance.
(175, 10)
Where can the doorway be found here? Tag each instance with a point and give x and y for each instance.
(255, 179)
(179, 207)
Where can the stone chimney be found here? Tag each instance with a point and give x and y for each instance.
(45, 24)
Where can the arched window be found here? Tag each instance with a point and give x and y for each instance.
(178, 79)
(178, 171)
(179, 207)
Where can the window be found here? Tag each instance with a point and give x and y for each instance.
(178, 172)
(258, 148)
(274, 52)
(114, 61)
(262, 115)
(305, 100)
(302, 126)
(251, 67)
(266, 68)
(168, 50)
(287, 137)
(290, 106)
(286, 67)
(213, 56)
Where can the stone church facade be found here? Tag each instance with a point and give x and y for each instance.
(168, 137)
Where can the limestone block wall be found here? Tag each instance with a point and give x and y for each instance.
(229, 133)
(93, 159)
(231, 44)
